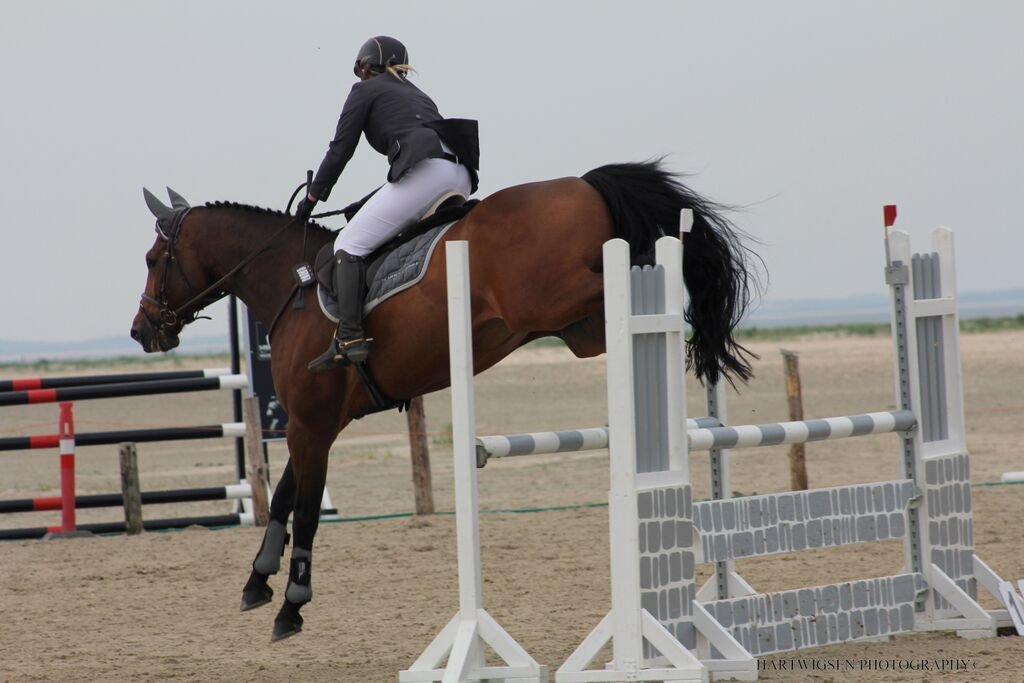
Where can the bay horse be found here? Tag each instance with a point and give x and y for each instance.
(536, 271)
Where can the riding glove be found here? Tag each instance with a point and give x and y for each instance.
(303, 209)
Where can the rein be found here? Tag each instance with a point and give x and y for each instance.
(215, 287)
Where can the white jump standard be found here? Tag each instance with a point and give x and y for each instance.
(661, 627)
(464, 641)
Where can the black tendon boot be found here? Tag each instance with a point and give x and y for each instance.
(349, 344)
(257, 592)
(300, 591)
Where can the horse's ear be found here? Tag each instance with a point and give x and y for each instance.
(156, 207)
(177, 201)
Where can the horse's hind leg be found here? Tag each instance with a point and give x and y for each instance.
(309, 456)
(257, 591)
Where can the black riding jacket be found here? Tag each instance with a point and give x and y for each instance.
(401, 122)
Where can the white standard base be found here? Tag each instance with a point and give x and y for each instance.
(464, 641)
(681, 664)
(973, 620)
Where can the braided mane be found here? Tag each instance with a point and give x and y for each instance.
(263, 210)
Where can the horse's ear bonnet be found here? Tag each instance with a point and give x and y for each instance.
(156, 207)
(167, 217)
(177, 201)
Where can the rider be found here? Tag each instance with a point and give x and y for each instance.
(429, 157)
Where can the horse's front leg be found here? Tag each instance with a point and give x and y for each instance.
(309, 452)
(257, 591)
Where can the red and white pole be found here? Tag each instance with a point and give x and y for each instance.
(67, 468)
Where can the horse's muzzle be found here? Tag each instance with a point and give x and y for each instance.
(151, 340)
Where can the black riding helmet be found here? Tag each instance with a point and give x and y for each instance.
(380, 52)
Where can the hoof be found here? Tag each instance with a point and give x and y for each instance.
(256, 593)
(256, 598)
(288, 622)
(282, 631)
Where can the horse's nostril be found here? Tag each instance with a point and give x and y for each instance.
(134, 334)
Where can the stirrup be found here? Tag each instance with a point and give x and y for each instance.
(341, 354)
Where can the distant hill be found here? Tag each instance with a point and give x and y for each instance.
(873, 308)
(769, 314)
(100, 347)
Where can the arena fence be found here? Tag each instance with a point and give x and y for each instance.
(64, 389)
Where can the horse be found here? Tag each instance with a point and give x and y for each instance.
(536, 261)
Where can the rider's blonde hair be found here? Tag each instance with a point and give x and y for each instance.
(400, 71)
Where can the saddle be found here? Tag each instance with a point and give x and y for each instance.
(398, 264)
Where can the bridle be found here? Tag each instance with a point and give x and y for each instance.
(175, 317)
(168, 316)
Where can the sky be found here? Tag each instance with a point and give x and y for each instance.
(810, 115)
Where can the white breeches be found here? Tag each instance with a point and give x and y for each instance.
(398, 205)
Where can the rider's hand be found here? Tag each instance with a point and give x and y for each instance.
(304, 209)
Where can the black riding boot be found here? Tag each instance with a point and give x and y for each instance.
(349, 344)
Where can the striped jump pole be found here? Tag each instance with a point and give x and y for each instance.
(29, 383)
(214, 521)
(67, 468)
(226, 430)
(104, 500)
(703, 434)
(83, 393)
(824, 429)
(566, 441)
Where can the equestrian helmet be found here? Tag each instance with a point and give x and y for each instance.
(380, 52)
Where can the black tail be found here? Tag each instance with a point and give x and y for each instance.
(645, 201)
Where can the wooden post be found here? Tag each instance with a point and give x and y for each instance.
(422, 489)
(256, 470)
(794, 397)
(130, 490)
